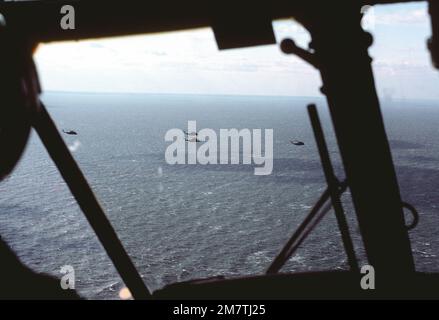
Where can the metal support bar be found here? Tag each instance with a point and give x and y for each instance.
(83, 194)
(433, 43)
(341, 46)
(136, 16)
(308, 224)
(333, 183)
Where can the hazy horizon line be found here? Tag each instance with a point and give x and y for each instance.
(182, 93)
(382, 99)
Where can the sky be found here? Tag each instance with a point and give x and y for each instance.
(189, 62)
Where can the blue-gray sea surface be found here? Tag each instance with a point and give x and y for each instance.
(181, 222)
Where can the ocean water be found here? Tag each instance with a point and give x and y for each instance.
(181, 222)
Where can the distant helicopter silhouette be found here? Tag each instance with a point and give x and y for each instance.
(192, 137)
(70, 132)
(190, 134)
(297, 142)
